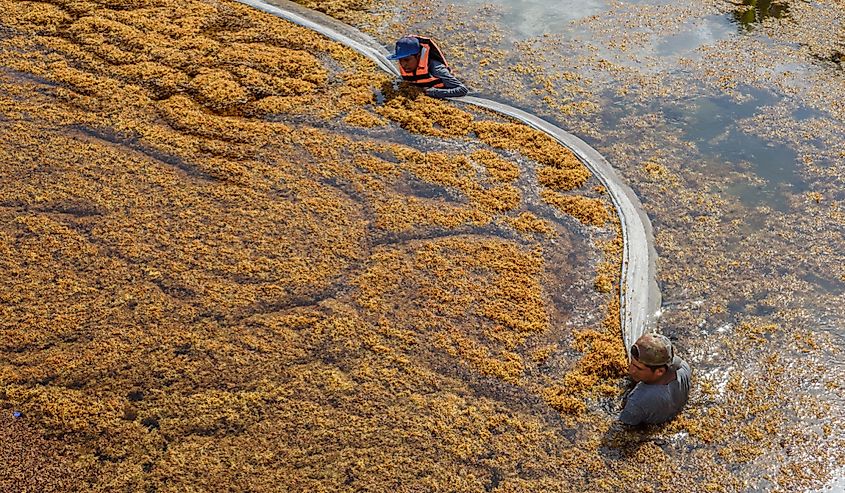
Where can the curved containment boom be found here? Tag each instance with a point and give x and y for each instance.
(639, 294)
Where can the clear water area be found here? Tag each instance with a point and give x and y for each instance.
(538, 17)
(706, 120)
(765, 260)
(709, 123)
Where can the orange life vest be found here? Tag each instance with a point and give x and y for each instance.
(421, 76)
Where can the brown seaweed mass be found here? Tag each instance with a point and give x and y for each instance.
(225, 268)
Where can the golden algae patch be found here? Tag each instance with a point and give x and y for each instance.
(25, 451)
(218, 90)
(271, 106)
(291, 65)
(443, 169)
(563, 179)
(213, 287)
(365, 14)
(456, 171)
(68, 409)
(419, 114)
(375, 165)
(163, 80)
(362, 118)
(180, 45)
(497, 199)
(499, 168)
(480, 299)
(186, 115)
(603, 359)
(588, 210)
(531, 143)
(41, 16)
(398, 214)
(607, 273)
(527, 223)
(506, 365)
(560, 171)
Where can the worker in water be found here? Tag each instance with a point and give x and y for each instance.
(663, 382)
(421, 62)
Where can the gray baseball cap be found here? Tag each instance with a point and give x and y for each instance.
(653, 350)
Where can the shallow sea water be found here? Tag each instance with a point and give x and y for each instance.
(719, 117)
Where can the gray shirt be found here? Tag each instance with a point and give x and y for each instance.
(453, 87)
(655, 404)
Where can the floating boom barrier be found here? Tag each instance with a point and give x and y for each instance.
(638, 291)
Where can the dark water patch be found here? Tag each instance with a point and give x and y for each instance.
(828, 284)
(710, 124)
(752, 194)
(806, 113)
(707, 117)
(750, 13)
(775, 163)
(426, 190)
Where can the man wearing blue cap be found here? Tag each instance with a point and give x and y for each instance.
(421, 62)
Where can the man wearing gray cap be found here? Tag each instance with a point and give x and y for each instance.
(421, 62)
(663, 382)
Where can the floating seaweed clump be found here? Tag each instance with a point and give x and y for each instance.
(362, 118)
(531, 143)
(587, 210)
(527, 222)
(218, 90)
(563, 179)
(500, 169)
(420, 114)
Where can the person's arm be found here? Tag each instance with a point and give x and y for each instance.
(453, 87)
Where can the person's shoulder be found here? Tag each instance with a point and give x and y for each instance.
(679, 364)
(437, 66)
(683, 373)
(642, 393)
(683, 367)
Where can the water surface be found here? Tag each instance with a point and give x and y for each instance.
(722, 122)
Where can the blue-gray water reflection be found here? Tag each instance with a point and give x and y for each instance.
(692, 36)
(536, 17)
(710, 122)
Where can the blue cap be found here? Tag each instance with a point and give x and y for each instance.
(405, 47)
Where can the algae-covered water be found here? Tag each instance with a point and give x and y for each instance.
(237, 258)
(728, 121)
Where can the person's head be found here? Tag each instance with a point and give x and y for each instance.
(407, 52)
(650, 358)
